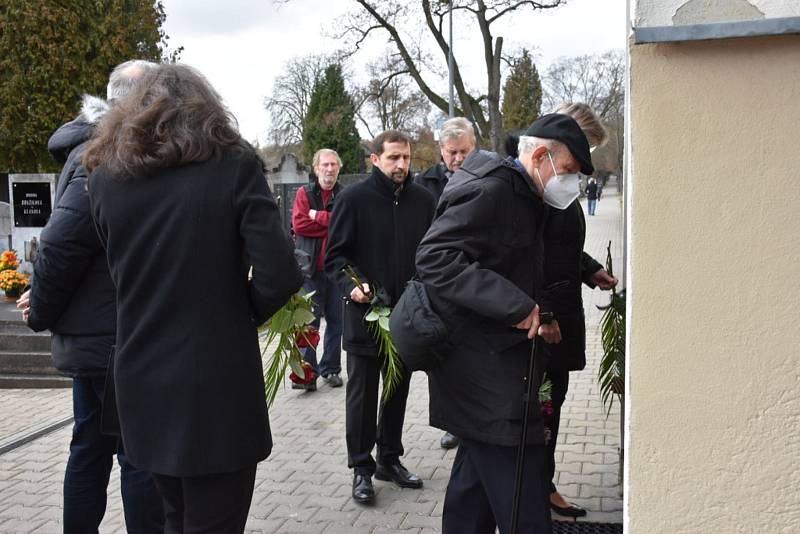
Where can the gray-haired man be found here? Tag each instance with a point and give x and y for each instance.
(72, 295)
(456, 141)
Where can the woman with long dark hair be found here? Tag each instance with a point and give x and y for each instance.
(183, 208)
(564, 260)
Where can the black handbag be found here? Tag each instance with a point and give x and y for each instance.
(420, 334)
(305, 262)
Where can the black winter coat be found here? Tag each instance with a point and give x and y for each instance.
(72, 294)
(593, 191)
(483, 255)
(188, 371)
(565, 261)
(375, 228)
(434, 179)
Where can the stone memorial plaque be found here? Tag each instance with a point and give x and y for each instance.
(32, 204)
(287, 194)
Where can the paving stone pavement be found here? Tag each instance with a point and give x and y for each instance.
(24, 411)
(304, 487)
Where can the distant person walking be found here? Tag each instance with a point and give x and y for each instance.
(183, 209)
(593, 192)
(311, 215)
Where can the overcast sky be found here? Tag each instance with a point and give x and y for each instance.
(241, 45)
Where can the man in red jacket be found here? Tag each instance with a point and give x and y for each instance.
(310, 218)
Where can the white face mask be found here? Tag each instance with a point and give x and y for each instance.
(562, 189)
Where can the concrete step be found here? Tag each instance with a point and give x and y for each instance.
(32, 381)
(20, 362)
(25, 342)
(18, 327)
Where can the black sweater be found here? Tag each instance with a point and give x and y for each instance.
(375, 228)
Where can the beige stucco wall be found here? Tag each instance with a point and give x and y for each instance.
(714, 287)
(676, 12)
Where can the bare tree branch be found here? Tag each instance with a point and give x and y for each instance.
(399, 18)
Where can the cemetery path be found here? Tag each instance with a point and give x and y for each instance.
(304, 486)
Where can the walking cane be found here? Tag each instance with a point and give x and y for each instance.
(532, 379)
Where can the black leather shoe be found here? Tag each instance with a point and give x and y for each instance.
(573, 510)
(449, 441)
(363, 492)
(399, 475)
(308, 387)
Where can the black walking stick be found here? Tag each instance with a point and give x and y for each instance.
(530, 389)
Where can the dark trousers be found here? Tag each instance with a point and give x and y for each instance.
(91, 457)
(481, 490)
(560, 381)
(363, 373)
(328, 303)
(209, 504)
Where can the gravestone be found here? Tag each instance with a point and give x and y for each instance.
(285, 180)
(4, 187)
(31, 198)
(5, 225)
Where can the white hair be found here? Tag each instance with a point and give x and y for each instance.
(528, 144)
(124, 76)
(456, 128)
(325, 152)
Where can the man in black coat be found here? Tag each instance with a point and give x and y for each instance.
(482, 262)
(72, 295)
(592, 195)
(456, 142)
(375, 229)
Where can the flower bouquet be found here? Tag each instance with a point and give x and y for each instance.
(12, 282)
(8, 260)
(289, 330)
(378, 323)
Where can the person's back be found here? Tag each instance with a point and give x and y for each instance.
(183, 223)
(72, 295)
(592, 190)
(182, 281)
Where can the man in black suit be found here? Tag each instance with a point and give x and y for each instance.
(376, 226)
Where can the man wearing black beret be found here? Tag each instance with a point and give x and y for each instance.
(482, 264)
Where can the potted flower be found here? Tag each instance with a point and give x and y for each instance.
(12, 283)
(8, 260)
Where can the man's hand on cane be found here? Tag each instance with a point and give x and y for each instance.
(550, 332)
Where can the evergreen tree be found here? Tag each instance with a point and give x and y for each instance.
(53, 52)
(522, 94)
(330, 121)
